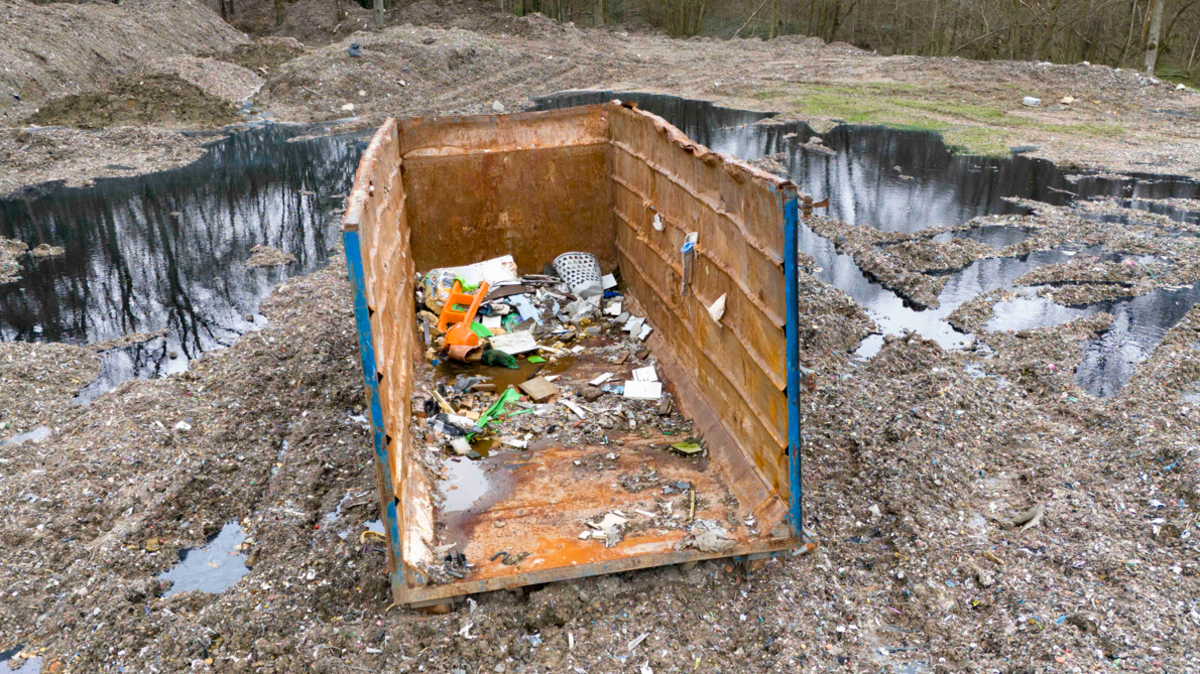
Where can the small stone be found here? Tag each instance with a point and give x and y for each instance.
(497, 106)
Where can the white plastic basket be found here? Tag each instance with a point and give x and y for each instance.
(576, 268)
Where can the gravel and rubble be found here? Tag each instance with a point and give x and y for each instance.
(918, 464)
(914, 470)
(10, 252)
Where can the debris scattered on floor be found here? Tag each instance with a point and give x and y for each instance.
(533, 365)
(266, 256)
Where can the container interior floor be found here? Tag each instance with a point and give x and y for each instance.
(537, 500)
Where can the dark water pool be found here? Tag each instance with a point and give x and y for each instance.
(907, 181)
(166, 251)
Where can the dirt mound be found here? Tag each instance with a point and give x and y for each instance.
(225, 80)
(406, 70)
(318, 22)
(161, 100)
(312, 22)
(51, 50)
(265, 54)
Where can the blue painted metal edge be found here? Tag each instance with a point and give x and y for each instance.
(791, 225)
(366, 348)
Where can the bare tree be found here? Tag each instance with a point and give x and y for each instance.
(1156, 14)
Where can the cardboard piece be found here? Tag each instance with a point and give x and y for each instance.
(515, 342)
(539, 390)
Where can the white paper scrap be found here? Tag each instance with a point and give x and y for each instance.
(633, 324)
(645, 332)
(493, 271)
(645, 374)
(614, 309)
(608, 281)
(514, 342)
(717, 310)
(643, 390)
(491, 322)
(574, 408)
(602, 378)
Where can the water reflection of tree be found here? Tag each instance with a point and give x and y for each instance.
(167, 250)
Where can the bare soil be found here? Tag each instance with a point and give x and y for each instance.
(158, 100)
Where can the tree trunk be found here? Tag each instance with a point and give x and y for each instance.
(598, 13)
(1156, 14)
(279, 12)
(379, 14)
(774, 19)
(1043, 48)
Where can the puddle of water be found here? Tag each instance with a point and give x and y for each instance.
(466, 482)
(35, 436)
(907, 181)
(1139, 324)
(501, 377)
(30, 666)
(996, 236)
(212, 568)
(168, 250)
(375, 525)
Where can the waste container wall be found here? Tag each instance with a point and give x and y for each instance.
(450, 191)
(738, 365)
(376, 235)
(524, 184)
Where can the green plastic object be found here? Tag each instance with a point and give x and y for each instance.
(510, 321)
(536, 359)
(687, 448)
(480, 329)
(510, 394)
(494, 358)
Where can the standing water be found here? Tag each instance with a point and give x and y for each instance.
(165, 253)
(907, 181)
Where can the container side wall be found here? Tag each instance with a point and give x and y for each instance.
(665, 187)
(378, 255)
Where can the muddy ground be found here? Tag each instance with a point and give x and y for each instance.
(916, 463)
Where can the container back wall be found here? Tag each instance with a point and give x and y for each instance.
(450, 191)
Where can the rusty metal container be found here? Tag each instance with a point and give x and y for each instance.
(627, 187)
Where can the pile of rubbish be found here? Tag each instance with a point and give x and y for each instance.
(517, 359)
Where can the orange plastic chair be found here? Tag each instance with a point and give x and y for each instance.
(459, 298)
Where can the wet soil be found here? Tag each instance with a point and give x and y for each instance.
(160, 100)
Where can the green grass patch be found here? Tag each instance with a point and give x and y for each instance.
(971, 128)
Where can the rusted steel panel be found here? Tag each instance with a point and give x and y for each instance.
(738, 214)
(483, 134)
(534, 204)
